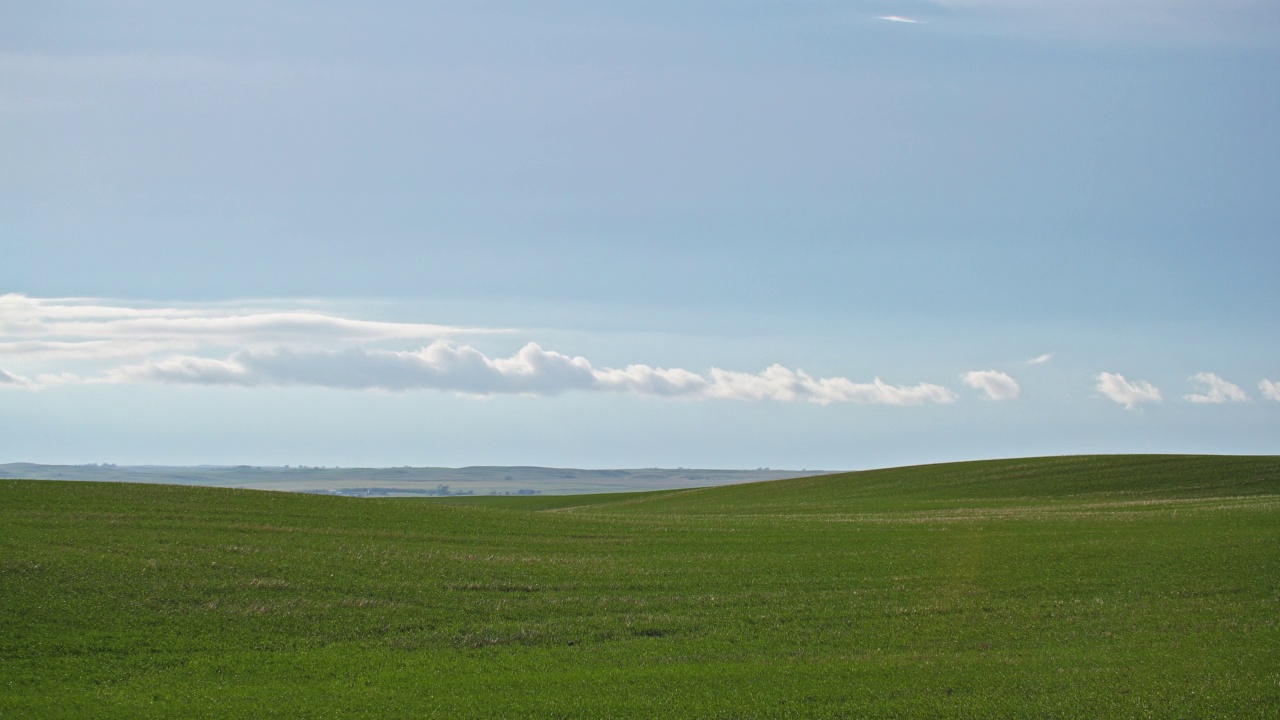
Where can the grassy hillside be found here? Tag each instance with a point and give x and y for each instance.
(1057, 587)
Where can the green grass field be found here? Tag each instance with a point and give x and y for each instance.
(1060, 587)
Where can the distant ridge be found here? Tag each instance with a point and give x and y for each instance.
(407, 481)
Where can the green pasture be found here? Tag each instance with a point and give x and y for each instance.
(1123, 586)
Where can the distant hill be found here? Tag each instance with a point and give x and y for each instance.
(403, 481)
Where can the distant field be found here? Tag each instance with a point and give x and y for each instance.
(1124, 586)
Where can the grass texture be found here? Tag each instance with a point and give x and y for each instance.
(1118, 586)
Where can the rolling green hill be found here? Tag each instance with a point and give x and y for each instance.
(1126, 586)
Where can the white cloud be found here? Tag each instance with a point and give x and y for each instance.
(8, 378)
(898, 18)
(997, 385)
(532, 370)
(1040, 359)
(1270, 389)
(220, 345)
(85, 349)
(440, 366)
(781, 383)
(645, 380)
(1129, 394)
(91, 328)
(48, 380)
(1216, 390)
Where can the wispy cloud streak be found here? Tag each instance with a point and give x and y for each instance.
(8, 378)
(92, 328)
(1216, 390)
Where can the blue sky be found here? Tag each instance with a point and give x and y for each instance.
(574, 234)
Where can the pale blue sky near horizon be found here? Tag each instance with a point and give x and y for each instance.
(680, 186)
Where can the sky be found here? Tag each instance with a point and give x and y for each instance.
(802, 235)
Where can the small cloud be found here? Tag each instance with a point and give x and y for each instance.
(898, 19)
(8, 378)
(47, 380)
(997, 385)
(1128, 394)
(1217, 390)
(786, 385)
(1270, 389)
(1040, 360)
